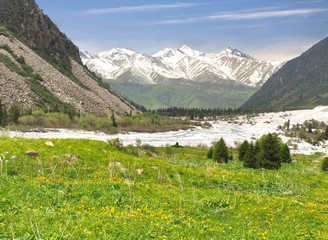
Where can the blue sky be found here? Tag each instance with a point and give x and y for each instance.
(266, 29)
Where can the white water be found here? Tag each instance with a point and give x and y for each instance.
(233, 132)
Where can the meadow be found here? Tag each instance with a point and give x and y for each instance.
(85, 189)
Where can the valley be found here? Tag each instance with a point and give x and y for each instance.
(180, 144)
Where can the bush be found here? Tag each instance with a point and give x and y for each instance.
(149, 148)
(325, 165)
(116, 143)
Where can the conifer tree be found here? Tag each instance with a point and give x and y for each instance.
(220, 152)
(249, 158)
(210, 153)
(270, 152)
(243, 149)
(114, 124)
(285, 154)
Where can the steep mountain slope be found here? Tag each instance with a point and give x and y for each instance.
(40, 66)
(36, 30)
(300, 83)
(186, 63)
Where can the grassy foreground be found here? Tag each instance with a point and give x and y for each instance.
(83, 189)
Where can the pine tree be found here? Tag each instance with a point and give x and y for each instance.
(114, 124)
(210, 153)
(243, 149)
(285, 154)
(220, 152)
(270, 152)
(249, 158)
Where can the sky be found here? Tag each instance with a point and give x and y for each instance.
(264, 29)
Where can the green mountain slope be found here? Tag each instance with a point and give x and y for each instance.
(188, 94)
(300, 83)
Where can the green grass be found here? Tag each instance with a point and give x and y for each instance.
(95, 193)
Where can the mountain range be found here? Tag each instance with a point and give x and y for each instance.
(181, 63)
(41, 68)
(181, 77)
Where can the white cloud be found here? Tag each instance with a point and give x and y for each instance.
(141, 8)
(247, 15)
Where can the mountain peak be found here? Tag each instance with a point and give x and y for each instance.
(185, 47)
(127, 51)
(232, 51)
(189, 51)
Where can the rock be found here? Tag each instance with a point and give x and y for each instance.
(140, 171)
(124, 170)
(50, 144)
(72, 157)
(32, 153)
(114, 164)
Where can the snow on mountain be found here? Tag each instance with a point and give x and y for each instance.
(183, 62)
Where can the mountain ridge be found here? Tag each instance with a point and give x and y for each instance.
(183, 62)
(301, 83)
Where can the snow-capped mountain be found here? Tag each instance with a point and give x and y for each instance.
(180, 63)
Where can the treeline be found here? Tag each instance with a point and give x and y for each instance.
(199, 113)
